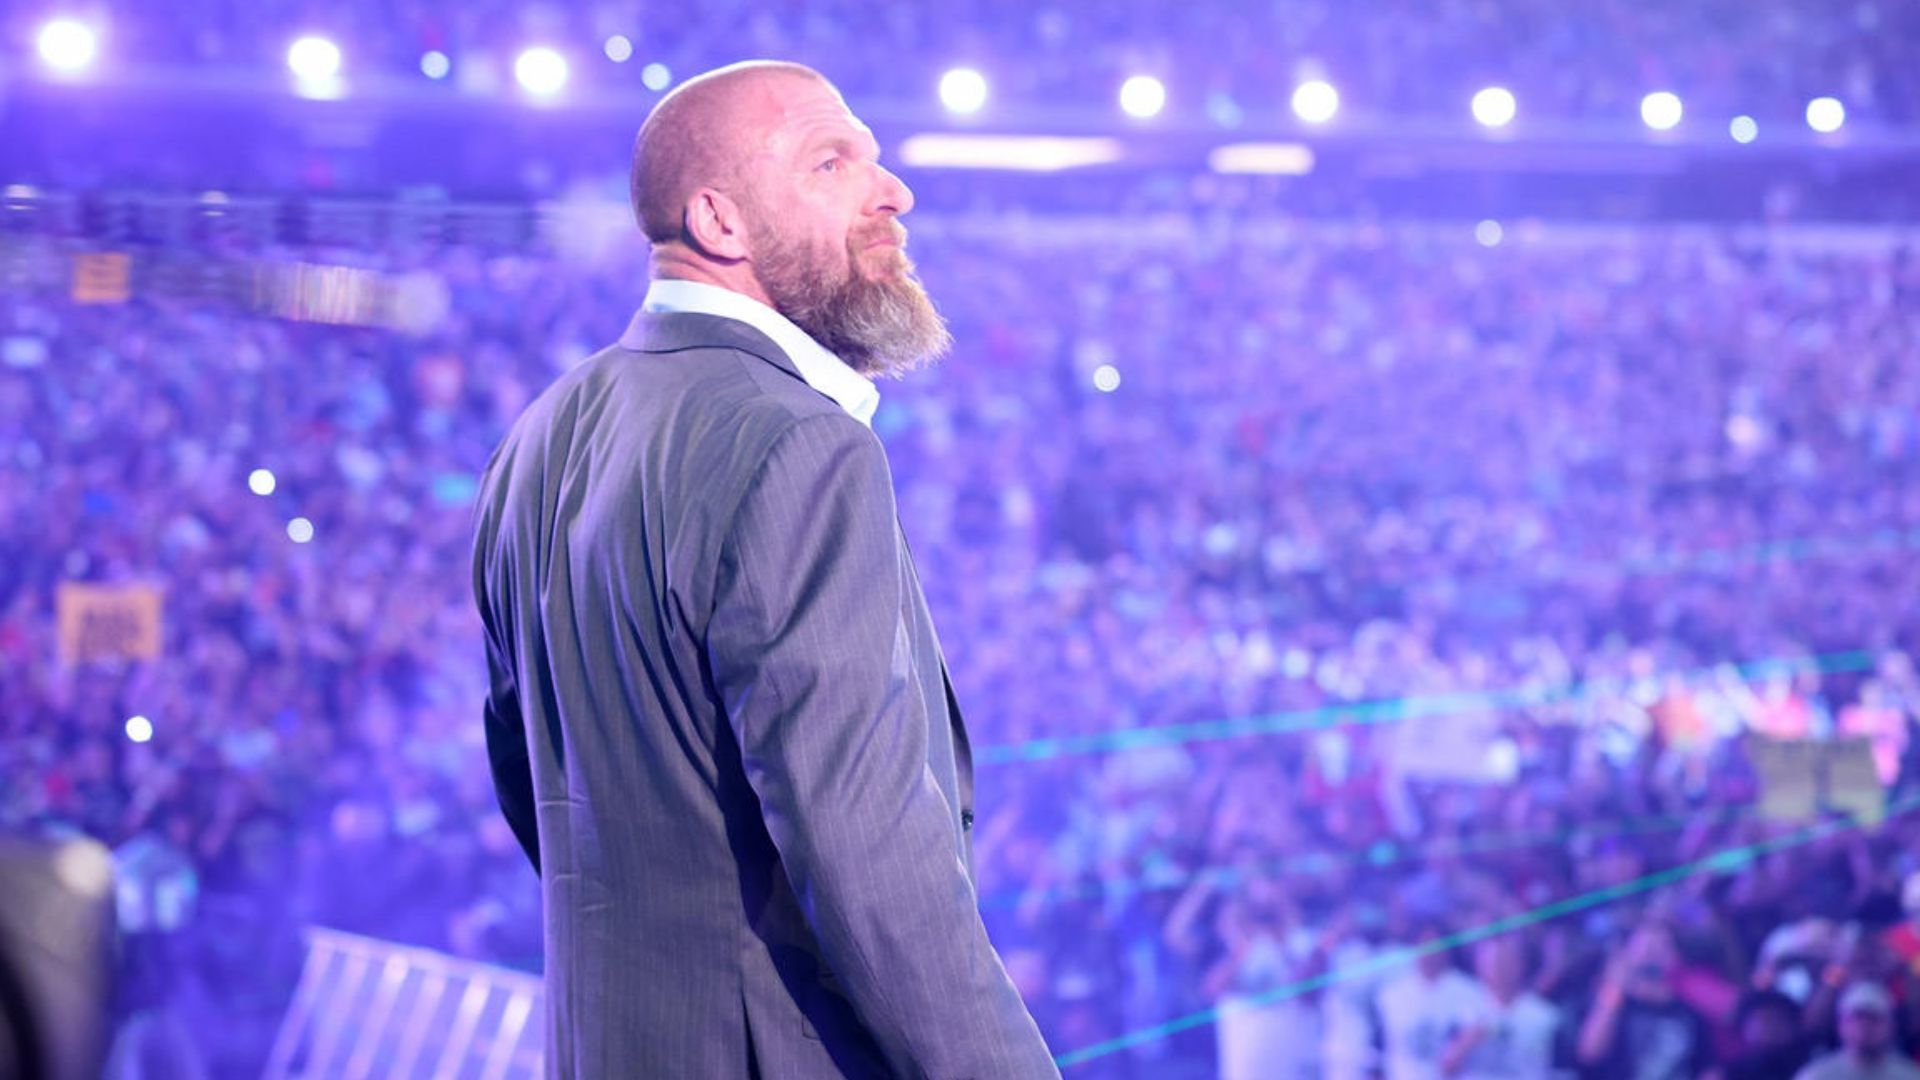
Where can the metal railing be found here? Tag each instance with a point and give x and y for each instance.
(369, 1008)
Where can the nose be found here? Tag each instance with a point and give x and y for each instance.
(891, 194)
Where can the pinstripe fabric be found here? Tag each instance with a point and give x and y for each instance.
(720, 725)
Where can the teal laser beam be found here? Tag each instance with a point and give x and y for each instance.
(1386, 711)
(1384, 854)
(1552, 566)
(1721, 862)
(1774, 552)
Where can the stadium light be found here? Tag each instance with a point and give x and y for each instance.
(540, 71)
(1744, 129)
(655, 76)
(262, 482)
(1494, 107)
(963, 91)
(68, 45)
(1263, 158)
(1143, 96)
(435, 65)
(1825, 115)
(1315, 101)
(139, 729)
(1020, 153)
(619, 49)
(314, 59)
(1661, 110)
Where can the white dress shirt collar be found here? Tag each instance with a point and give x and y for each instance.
(821, 369)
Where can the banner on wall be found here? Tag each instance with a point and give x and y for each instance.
(108, 622)
(102, 277)
(1800, 778)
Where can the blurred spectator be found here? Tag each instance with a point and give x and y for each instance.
(1426, 1013)
(1638, 1027)
(1867, 1050)
(1771, 1043)
(1456, 580)
(1514, 1033)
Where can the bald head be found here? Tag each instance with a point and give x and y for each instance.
(758, 179)
(701, 136)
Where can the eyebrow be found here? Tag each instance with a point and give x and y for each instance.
(845, 144)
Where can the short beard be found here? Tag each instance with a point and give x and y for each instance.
(883, 326)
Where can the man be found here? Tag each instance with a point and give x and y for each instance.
(1424, 1011)
(1638, 1028)
(719, 721)
(1514, 1033)
(1866, 1041)
(1772, 1041)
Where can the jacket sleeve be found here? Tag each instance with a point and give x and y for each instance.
(507, 755)
(810, 655)
(505, 729)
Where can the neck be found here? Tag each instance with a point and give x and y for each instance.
(679, 262)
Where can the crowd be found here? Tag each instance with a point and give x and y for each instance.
(1391, 57)
(1596, 507)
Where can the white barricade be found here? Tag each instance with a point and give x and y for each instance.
(367, 1008)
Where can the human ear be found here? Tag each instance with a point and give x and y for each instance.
(714, 225)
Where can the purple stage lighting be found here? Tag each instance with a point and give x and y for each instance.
(1825, 115)
(1494, 107)
(68, 45)
(1315, 101)
(1661, 110)
(541, 71)
(1143, 96)
(963, 91)
(314, 59)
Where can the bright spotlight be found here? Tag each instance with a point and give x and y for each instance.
(262, 482)
(1825, 115)
(1660, 110)
(1494, 107)
(619, 49)
(963, 90)
(656, 77)
(1489, 233)
(67, 44)
(314, 59)
(300, 530)
(1744, 129)
(435, 65)
(1143, 96)
(1106, 378)
(1315, 101)
(541, 71)
(139, 729)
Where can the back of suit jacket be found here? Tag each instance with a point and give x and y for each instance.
(720, 725)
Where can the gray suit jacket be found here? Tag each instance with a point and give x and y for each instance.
(720, 724)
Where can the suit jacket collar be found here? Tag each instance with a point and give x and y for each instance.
(680, 330)
(820, 369)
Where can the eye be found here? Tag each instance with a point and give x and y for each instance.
(832, 164)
